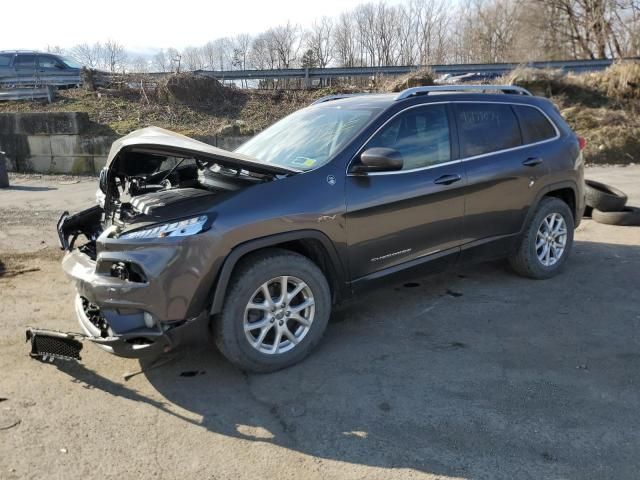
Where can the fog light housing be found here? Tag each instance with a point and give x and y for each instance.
(120, 270)
(127, 271)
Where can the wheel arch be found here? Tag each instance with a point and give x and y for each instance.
(313, 244)
(566, 191)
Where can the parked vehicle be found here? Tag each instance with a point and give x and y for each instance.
(28, 68)
(449, 79)
(260, 243)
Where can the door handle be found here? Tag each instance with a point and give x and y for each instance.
(532, 161)
(447, 179)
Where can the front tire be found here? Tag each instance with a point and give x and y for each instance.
(547, 241)
(276, 310)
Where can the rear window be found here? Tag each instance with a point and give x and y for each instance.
(25, 61)
(486, 127)
(534, 125)
(5, 60)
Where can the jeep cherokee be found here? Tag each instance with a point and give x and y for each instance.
(258, 244)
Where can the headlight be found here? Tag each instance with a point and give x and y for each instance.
(183, 228)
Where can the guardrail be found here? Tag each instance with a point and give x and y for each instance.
(64, 79)
(42, 93)
(576, 66)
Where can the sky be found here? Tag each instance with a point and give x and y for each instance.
(147, 26)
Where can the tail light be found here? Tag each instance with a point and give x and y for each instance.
(582, 142)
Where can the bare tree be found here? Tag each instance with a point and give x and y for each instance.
(286, 42)
(591, 28)
(88, 55)
(345, 41)
(160, 62)
(138, 64)
(262, 54)
(319, 40)
(55, 49)
(193, 58)
(175, 60)
(114, 57)
(242, 45)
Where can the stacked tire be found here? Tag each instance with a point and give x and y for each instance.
(607, 204)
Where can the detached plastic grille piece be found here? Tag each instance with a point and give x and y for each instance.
(49, 345)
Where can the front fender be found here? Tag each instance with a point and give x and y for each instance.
(243, 249)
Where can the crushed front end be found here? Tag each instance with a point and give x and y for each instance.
(145, 259)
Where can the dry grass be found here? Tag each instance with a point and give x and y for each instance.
(603, 107)
(419, 78)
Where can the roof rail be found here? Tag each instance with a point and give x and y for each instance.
(22, 51)
(329, 98)
(512, 89)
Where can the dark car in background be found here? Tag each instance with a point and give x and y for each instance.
(28, 68)
(260, 243)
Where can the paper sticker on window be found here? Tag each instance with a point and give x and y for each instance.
(303, 162)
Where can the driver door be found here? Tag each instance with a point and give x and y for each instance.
(403, 218)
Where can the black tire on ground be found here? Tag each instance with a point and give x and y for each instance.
(628, 216)
(4, 176)
(249, 275)
(604, 197)
(525, 260)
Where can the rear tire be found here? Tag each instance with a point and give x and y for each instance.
(252, 322)
(547, 241)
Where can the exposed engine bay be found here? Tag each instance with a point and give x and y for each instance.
(145, 188)
(154, 176)
(149, 185)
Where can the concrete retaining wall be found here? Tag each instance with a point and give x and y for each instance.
(61, 143)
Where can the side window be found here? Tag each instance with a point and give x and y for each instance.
(46, 61)
(25, 61)
(5, 60)
(486, 127)
(534, 125)
(421, 135)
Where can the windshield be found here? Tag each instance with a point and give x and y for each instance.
(308, 138)
(70, 62)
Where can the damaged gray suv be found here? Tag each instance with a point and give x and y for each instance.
(258, 244)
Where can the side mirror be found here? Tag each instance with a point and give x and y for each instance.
(378, 160)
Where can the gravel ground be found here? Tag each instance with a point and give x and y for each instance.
(472, 374)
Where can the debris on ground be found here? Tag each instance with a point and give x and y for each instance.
(14, 273)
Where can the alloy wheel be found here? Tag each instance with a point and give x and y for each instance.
(279, 315)
(551, 239)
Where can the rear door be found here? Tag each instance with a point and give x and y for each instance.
(25, 66)
(501, 166)
(401, 218)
